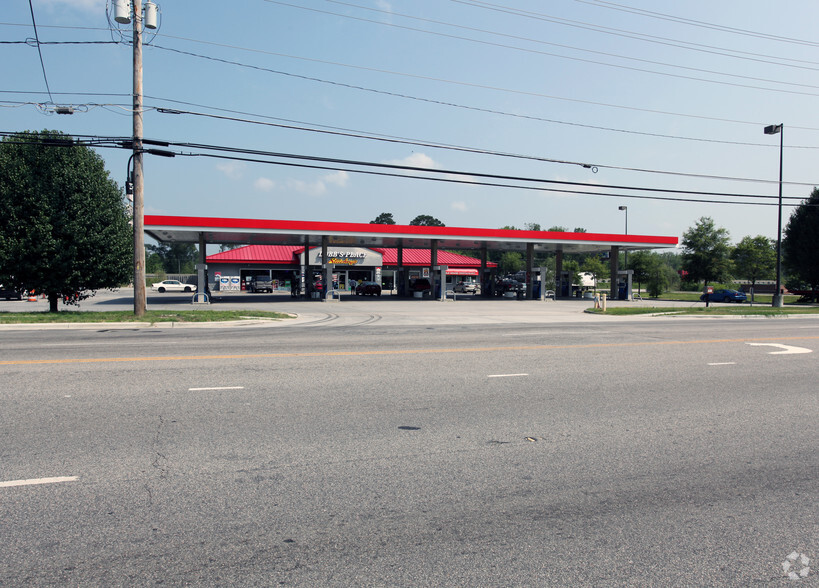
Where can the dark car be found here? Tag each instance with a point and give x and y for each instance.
(724, 296)
(420, 285)
(505, 285)
(10, 294)
(371, 288)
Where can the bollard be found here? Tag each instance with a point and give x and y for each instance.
(603, 301)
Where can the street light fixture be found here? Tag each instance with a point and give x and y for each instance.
(625, 253)
(777, 297)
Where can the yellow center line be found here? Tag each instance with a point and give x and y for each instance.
(396, 351)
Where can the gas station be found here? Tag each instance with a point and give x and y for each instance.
(405, 250)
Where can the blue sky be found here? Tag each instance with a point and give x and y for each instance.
(672, 96)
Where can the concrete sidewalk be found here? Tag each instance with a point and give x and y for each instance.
(351, 310)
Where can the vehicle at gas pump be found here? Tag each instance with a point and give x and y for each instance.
(365, 288)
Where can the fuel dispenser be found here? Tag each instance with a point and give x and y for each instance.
(563, 285)
(624, 284)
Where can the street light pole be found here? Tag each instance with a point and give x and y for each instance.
(777, 297)
(625, 253)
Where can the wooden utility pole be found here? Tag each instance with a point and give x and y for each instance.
(139, 207)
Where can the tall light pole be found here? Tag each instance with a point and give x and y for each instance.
(122, 14)
(625, 253)
(777, 297)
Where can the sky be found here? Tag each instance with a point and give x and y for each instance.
(656, 106)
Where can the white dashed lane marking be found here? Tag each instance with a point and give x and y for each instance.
(36, 481)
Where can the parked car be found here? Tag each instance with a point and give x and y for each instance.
(10, 294)
(172, 286)
(260, 284)
(466, 287)
(419, 285)
(371, 288)
(505, 285)
(725, 295)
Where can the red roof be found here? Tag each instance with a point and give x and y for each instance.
(288, 255)
(421, 257)
(257, 254)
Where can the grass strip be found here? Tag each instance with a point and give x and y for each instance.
(702, 311)
(151, 316)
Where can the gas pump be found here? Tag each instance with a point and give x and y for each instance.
(202, 295)
(624, 284)
(563, 285)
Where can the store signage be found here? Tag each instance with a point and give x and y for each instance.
(346, 256)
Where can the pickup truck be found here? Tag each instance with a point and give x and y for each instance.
(260, 284)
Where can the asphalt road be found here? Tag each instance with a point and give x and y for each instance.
(607, 453)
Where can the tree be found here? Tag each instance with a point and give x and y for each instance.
(660, 275)
(641, 263)
(174, 258)
(510, 262)
(755, 259)
(424, 220)
(385, 218)
(573, 267)
(594, 265)
(799, 242)
(706, 252)
(63, 222)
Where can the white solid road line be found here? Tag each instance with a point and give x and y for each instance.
(723, 363)
(217, 388)
(35, 481)
(506, 375)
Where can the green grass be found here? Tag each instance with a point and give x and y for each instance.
(151, 316)
(739, 310)
(695, 297)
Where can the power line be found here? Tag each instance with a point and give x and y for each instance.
(580, 59)
(680, 44)
(696, 23)
(299, 126)
(469, 2)
(409, 172)
(468, 174)
(453, 104)
(482, 183)
(39, 50)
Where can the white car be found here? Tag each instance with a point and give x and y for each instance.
(172, 286)
(466, 287)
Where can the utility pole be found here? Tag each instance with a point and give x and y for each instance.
(138, 179)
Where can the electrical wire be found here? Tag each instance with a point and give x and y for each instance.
(39, 50)
(697, 23)
(666, 41)
(410, 172)
(449, 172)
(583, 60)
(299, 126)
(483, 183)
(452, 104)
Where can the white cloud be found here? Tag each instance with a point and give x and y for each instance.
(264, 185)
(458, 205)
(415, 160)
(384, 6)
(232, 169)
(316, 187)
(339, 178)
